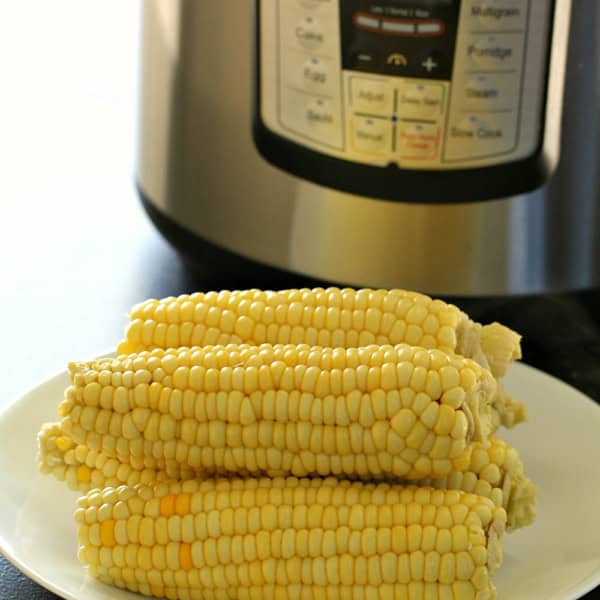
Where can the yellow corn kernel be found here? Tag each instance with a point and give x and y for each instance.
(107, 535)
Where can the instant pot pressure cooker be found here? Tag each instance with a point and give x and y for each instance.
(449, 146)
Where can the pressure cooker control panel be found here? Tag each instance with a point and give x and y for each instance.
(422, 84)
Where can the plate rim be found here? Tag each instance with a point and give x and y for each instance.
(13, 560)
(579, 590)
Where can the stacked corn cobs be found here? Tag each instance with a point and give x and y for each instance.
(302, 444)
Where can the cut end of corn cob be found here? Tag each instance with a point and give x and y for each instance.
(83, 469)
(360, 412)
(271, 538)
(506, 410)
(501, 346)
(52, 446)
(319, 317)
(521, 508)
(481, 402)
(495, 471)
(493, 346)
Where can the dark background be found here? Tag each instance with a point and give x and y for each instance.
(76, 250)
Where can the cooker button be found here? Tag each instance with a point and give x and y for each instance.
(371, 135)
(418, 141)
(309, 33)
(315, 75)
(420, 100)
(479, 136)
(491, 92)
(497, 15)
(316, 3)
(372, 96)
(312, 117)
(495, 51)
(320, 115)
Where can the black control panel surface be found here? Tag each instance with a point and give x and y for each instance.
(401, 38)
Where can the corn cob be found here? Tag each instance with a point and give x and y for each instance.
(367, 412)
(321, 317)
(290, 539)
(494, 471)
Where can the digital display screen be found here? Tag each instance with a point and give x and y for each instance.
(400, 37)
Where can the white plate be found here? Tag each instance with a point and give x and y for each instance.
(558, 558)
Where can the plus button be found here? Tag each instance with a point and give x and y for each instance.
(429, 64)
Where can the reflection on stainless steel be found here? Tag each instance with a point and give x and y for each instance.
(198, 165)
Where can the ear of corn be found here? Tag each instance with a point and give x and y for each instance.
(319, 317)
(289, 538)
(368, 412)
(494, 471)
